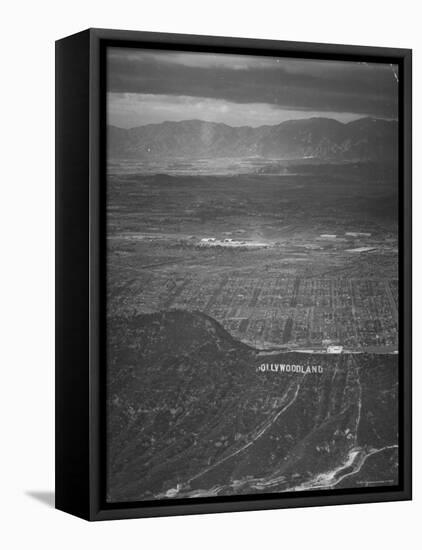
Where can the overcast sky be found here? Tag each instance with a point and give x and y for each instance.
(150, 86)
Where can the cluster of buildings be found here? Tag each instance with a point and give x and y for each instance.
(228, 242)
(291, 312)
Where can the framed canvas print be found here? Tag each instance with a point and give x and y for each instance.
(233, 274)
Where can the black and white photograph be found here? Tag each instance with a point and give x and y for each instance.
(252, 275)
(210, 225)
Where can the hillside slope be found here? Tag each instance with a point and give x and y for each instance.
(190, 414)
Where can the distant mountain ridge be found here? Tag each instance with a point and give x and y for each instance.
(319, 138)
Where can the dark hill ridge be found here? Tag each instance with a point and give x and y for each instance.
(189, 414)
(319, 138)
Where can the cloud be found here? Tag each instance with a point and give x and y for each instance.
(188, 59)
(292, 84)
(128, 110)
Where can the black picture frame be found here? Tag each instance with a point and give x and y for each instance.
(80, 273)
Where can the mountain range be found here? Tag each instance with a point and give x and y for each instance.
(320, 138)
